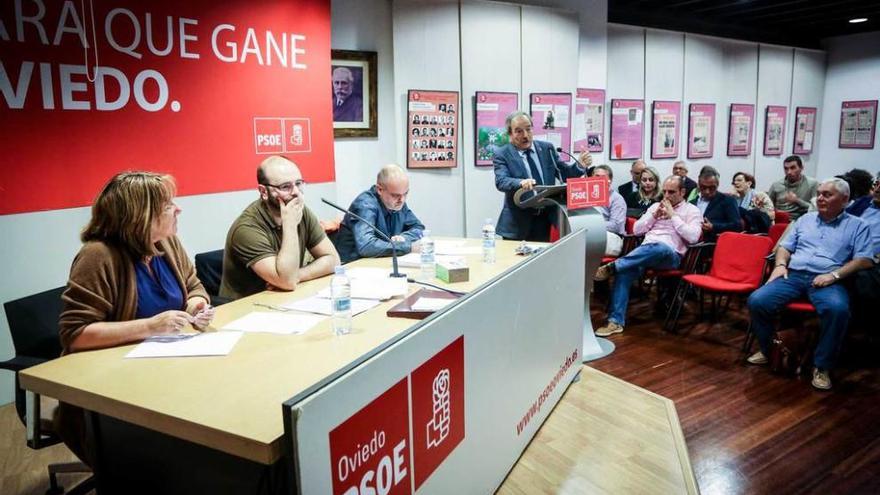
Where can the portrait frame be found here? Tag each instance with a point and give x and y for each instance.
(858, 123)
(364, 66)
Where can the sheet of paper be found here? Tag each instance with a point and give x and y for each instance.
(274, 322)
(198, 344)
(321, 305)
(457, 250)
(373, 288)
(413, 260)
(431, 303)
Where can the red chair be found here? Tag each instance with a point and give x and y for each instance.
(801, 310)
(693, 261)
(782, 217)
(630, 241)
(737, 270)
(776, 231)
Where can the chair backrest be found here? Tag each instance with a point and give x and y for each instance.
(33, 324)
(740, 257)
(630, 223)
(776, 231)
(209, 269)
(782, 217)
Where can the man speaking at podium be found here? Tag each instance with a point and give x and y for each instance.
(526, 163)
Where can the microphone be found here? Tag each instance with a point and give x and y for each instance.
(394, 272)
(587, 171)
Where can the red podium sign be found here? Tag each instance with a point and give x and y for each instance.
(585, 192)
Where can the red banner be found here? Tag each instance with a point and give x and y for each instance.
(202, 90)
(586, 192)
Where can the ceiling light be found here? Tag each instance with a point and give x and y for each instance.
(858, 20)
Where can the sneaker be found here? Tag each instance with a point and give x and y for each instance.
(821, 379)
(610, 329)
(604, 272)
(757, 358)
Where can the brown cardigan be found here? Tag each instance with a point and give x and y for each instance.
(103, 286)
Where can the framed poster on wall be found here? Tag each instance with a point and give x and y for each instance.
(701, 130)
(490, 133)
(804, 130)
(355, 112)
(740, 128)
(664, 130)
(774, 130)
(589, 120)
(627, 129)
(858, 122)
(551, 118)
(432, 127)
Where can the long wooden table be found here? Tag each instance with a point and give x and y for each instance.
(233, 403)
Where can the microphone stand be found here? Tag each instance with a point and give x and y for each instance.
(586, 171)
(394, 272)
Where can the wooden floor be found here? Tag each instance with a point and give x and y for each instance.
(747, 430)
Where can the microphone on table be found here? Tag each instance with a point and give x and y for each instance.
(394, 272)
(587, 170)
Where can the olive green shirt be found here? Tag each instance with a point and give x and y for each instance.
(253, 236)
(805, 189)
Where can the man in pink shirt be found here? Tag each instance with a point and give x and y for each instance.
(668, 226)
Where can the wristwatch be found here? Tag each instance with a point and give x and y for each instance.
(836, 275)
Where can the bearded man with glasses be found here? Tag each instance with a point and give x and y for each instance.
(266, 245)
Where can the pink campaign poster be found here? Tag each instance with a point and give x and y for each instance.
(491, 111)
(804, 130)
(858, 119)
(774, 130)
(739, 133)
(664, 131)
(701, 130)
(589, 120)
(627, 126)
(551, 118)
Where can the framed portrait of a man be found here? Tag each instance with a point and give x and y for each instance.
(353, 93)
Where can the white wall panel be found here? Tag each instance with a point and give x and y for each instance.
(774, 88)
(664, 80)
(807, 90)
(626, 79)
(739, 85)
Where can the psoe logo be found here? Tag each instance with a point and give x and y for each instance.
(438, 427)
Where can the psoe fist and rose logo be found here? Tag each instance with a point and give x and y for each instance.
(370, 451)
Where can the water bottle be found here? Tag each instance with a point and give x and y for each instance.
(489, 242)
(340, 300)
(427, 256)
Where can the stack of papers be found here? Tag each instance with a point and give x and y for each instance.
(186, 344)
(322, 305)
(413, 260)
(431, 304)
(278, 323)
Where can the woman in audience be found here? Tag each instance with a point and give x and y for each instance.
(130, 280)
(649, 193)
(752, 203)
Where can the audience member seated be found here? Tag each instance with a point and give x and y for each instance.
(614, 214)
(755, 207)
(266, 245)
(793, 193)
(720, 213)
(647, 194)
(861, 184)
(632, 187)
(668, 226)
(130, 280)
(680, 169)
(384, 206)
(866, 288)
(823, 248)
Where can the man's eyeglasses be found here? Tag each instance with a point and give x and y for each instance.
(287, 187)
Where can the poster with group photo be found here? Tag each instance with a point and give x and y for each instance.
(664, 131)
(627, 129)
(491, 112)
(551, 118)
(858, 121)
(701, 130)
(589, 120)
(739, 132)
(432, 127)
(774, 130)
(804, 130)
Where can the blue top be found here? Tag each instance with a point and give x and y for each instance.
(159, 291)
(614, 214)
(819, 247)
(871, 216)
(357, 240)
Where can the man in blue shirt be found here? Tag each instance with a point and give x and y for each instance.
(866, 286)
(823, 248)
(614, 214)
(383, 205)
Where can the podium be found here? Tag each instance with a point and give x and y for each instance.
(569, 221)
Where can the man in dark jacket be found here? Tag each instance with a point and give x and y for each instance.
(720, 212)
